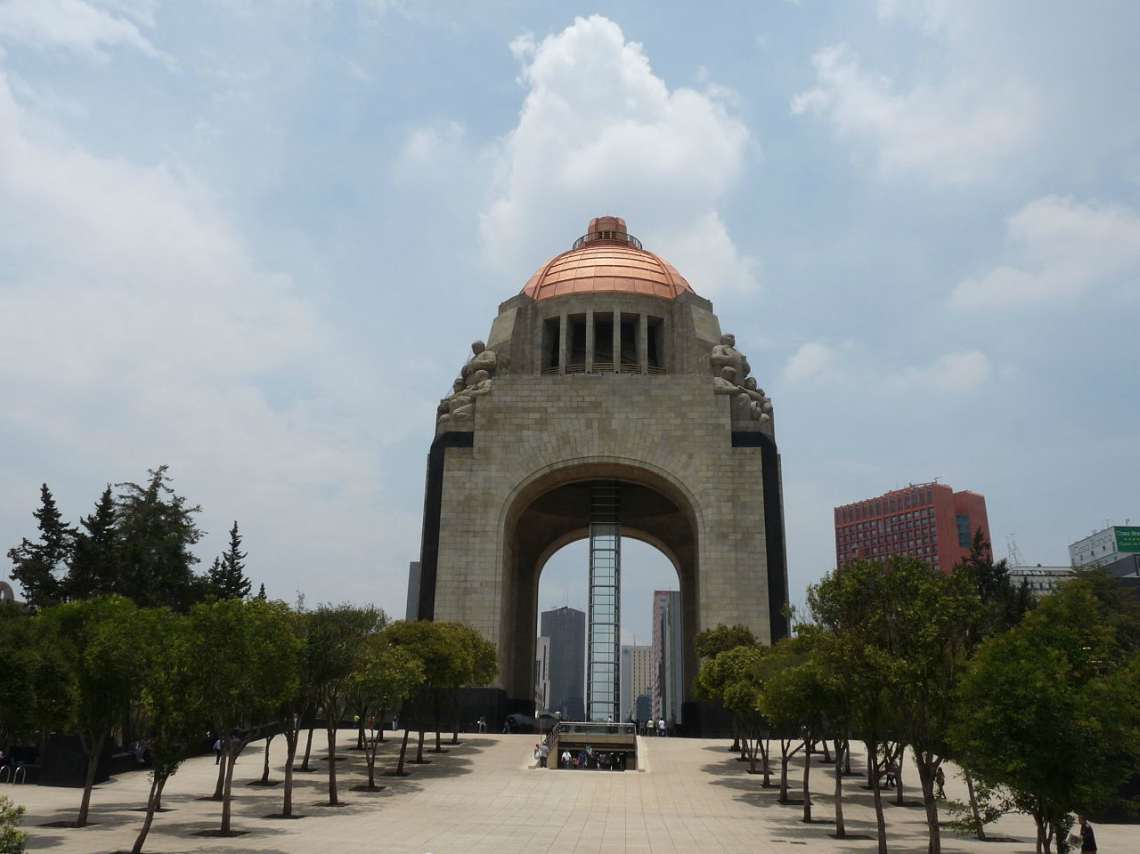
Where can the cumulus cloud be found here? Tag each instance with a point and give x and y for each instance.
(955, 131)
(136, 328)
(820, 362)
(83, 27)
(600, 133)
(1059, 248)
(811, 361)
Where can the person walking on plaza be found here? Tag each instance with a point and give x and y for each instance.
(661, 727)
(1087, 837)
(940, 781)
(543, 754)
(217, 750)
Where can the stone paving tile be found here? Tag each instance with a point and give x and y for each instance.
(482, 797)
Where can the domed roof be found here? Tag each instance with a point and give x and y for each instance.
(607, 259)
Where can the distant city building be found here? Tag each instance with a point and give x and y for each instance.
(929, 521)
(1041, 580)
(542, 675)
(1106, 546)
(1127, 567)
(636, 677)
(413, 605)
(566, 630)
(668, 656)
(644, 707)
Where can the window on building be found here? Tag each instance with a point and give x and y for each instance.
(655, 347)
(964, 537)
(603, 343)
(551, 332)
(630, 358)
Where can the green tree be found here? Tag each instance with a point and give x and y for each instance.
(336, 636)
(720, 639)
(93, 568)
(156, 534)
(480, 667)
(1049, 710)
(171, 698)
(247, 655)
(12, 839)
(18, 677)
(226, 578)
(94, 646)
(385, 677)
(41, 567)
(734, 677)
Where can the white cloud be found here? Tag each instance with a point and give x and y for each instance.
(136, 329)
(820, 362)
(811, 361)
(77, 25)
(600, 133)
(1059, 248)
(955, 131)
(951, 372)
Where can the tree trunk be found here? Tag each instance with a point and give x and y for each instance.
(979, 827)
(900, 756)
(766, 763)
(331, 731)
(873, 773)
(846, 756)
(220, 785)
(826, 753)
(360, 741)
(783, 771)
(926, 772)
(370, 758)
(265, 770)
(403, 753)
(152, 805)
(419, 760)
(380, 722)
(230, 759)
(807, 774)
(751, 756)
(291, 738)
(89, 778)
(840, 827)
(308, 750)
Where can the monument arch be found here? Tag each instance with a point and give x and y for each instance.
(606, 384)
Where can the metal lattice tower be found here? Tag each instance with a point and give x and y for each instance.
(603, 659)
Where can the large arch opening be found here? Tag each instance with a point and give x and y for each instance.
(552, 510)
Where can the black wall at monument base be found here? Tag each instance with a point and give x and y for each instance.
(702, 719)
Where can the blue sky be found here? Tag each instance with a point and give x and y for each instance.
(253, 241)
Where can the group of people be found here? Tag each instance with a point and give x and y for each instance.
(659, 728)
(587, 758)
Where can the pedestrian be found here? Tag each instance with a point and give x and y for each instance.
(565, 763)
(940, 780)
(543, 754)
(892, 772)
(1088, 838)
(661, 727)
(217, 750)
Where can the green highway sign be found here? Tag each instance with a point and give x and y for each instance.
(1127, 539)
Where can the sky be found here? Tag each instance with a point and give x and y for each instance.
(253, 241)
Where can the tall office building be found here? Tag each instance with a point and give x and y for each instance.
(542, 675)
(1106, 546)
(929, 521)
(636, 678)
(668, 656)
(566, 630)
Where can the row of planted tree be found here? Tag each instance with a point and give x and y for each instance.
(228, 671)
(1038, 706)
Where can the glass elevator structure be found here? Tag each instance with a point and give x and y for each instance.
(603, 656)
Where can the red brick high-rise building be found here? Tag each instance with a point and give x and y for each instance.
(929, 521)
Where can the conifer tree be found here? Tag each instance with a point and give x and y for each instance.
(226, 578)
(261, 592)
(39, 566)
(93, 563)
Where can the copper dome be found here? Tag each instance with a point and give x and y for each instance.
(607, 259)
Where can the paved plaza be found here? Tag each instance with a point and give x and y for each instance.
(485, 796)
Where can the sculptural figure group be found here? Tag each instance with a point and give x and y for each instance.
(457, 410)
(731, 376)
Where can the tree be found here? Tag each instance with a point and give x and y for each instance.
(386, 676)
(40, 566)
(18, 677)
(1049, 709)
(718, 639)
(12, 839)
(480, 668)
(93, 569)
(171, 698)
(226, 578)
(855, 608)
(796, 698)
(95, 648)
(336, 637)
(247, 656)
(156, 532)
(734, 677)
(261, 592)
